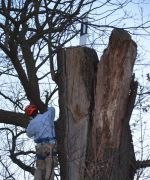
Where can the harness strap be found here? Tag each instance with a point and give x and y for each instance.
(44, 140)
(40, 157)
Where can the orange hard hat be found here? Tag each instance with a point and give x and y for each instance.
(30, 110)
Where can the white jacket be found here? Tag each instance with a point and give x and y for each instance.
(42, 126)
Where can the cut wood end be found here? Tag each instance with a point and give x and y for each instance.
(118, 37)
(121, 34)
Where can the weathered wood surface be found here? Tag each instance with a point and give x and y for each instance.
(114, 77)
(113, 84)
(77, 73)
(93, 129)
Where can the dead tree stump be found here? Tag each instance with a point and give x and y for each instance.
(96, 101)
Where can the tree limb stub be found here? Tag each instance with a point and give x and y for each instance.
(113, 85)
(114, 76)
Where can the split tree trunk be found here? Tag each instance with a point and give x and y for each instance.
(96, 99)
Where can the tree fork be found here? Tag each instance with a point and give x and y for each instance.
(96, 100)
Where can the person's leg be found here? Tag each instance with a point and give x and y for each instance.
(49, 162)
(49, 175)
(38, 175)
(40, 164)
(40, 170)
(55, 158)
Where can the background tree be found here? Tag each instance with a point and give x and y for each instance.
(31, 34)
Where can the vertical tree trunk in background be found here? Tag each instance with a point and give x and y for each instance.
(96, 99)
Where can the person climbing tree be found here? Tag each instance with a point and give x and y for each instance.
(41, 128)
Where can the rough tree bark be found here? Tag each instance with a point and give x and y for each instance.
(96, 100)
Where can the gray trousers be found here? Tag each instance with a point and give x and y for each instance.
(44, 168)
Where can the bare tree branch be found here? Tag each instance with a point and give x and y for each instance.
(17, 119)
(142, 164)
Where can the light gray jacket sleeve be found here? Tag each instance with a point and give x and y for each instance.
(51, 111)
(30, 131)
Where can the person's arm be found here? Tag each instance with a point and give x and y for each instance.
(30, 131)
(51, 111)
(51, 119)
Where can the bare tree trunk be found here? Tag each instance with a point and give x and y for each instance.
(96, 101)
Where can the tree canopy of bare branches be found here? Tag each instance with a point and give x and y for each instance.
(31, 33)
